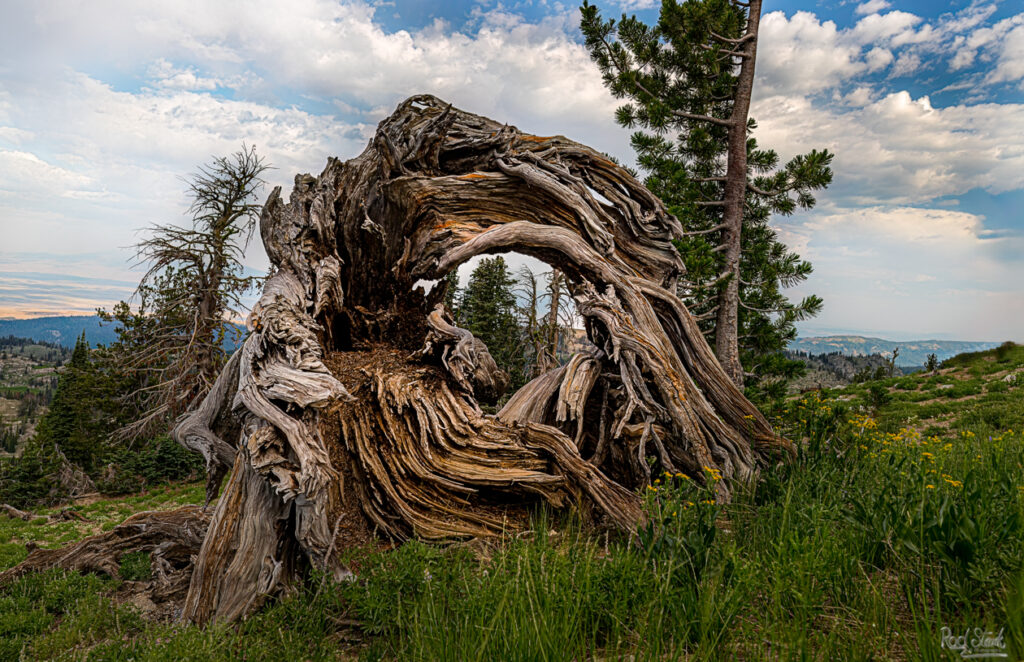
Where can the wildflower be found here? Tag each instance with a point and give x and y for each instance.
(930, 487)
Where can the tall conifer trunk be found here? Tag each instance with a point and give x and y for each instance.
(727, 322)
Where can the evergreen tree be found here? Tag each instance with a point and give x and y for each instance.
(81, 413)
(452, 294)
(488, 310)
(693, 73)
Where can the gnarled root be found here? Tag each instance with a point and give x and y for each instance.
(172, 538)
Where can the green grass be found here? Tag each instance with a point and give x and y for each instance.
(888, 526)
(101, 515)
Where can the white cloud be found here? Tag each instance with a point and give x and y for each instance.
(136, 144)
(86, 159)
(882, 28)
(26, 173)
(802, 55)
(634, 5)
(118, 167)
(878, 58)
(906, 64)
(15, 135)
(872, 6)
(1010, 65)
(907, 270)
(901, 150)
(166, 75)
(529, 73)
(985, 40)
(860, 96)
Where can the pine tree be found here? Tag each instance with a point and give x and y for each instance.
(488, 310)
(81, 412)
(693, 73)
(452, 294)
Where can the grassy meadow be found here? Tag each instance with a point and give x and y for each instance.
(902, 514)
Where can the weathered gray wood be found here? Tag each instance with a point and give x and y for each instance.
(352, 375)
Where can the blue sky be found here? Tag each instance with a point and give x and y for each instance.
(106, 105)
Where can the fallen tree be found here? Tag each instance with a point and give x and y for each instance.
(352, 410)
(172, 538)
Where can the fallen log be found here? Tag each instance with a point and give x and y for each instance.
(351, 410)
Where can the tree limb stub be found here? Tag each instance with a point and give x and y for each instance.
(353, 404)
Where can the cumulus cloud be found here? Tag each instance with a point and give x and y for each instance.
(896, 27)
(802, 55)
(901, 150)
(26, 174)
(872, 6)
(133, 143)
(878, 58)
(329, 50)
(166, 75)
(906, 64)
(1010, 63)
(119, 165)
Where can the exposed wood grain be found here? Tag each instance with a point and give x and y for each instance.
(346, 359)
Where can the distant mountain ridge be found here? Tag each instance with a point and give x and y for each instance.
(912, 352)
(65, 330)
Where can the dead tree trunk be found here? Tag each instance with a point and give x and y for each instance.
(351, 409)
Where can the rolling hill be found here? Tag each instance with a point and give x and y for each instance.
(64, 330)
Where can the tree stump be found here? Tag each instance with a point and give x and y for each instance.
(352, 408)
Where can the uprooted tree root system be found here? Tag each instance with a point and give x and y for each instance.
(352, 410)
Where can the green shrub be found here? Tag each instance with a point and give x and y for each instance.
(1004, 350)
(160, 460)
(878, 396)
(997, 387)
(28, 479)
(135, 567)
(906, 384)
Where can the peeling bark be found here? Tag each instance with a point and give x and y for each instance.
(352, 407)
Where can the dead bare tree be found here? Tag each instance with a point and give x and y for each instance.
(356, 396)
(191, 289)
